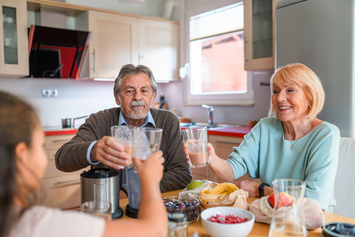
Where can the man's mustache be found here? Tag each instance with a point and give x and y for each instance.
(137, 103)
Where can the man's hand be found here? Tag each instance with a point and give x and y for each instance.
(109, 152)
(251, 187)
(152, 168)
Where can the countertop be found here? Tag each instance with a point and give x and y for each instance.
(58, 130)
(238, 131)
(228, 131)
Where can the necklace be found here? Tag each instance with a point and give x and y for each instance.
(293, 144)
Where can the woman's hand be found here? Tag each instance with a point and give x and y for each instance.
(211, 153)
(251, 187)
(210, 150)
(186, 152)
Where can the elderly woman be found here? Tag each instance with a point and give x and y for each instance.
(291, 143)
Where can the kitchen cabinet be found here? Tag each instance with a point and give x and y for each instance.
(14, 40)
(114, 43)
(59, 189)
(259, 34)
(120, 39)
(158, 48)
(223, 146)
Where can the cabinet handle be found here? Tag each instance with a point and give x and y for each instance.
(245, 52)
(236, 143)
(94, 53)
(65, 182)
(61, 140)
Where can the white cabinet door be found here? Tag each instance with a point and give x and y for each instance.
(59, 189)
(158, 48)
(13, 38)
(114, 43)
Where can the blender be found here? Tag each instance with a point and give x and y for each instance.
(134, 192)
(102, 184)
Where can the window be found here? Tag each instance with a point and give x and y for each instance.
(216, 52)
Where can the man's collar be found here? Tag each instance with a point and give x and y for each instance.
(148, 119)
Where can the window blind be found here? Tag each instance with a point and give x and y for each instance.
(219, 21)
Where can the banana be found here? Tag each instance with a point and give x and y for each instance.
(206, 196)
(224, 188)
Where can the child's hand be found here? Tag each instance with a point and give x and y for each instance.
(151, 168)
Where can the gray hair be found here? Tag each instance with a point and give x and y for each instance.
(129, 70)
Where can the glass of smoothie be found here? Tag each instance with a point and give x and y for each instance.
(124, 136)
(196, 143)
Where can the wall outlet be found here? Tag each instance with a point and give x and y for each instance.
(49, 92)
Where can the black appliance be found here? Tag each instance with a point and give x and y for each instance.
(56, 53)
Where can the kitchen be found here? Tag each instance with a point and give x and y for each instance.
(74, 95)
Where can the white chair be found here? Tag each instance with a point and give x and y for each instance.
(344, 185)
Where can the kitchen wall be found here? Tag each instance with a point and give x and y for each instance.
(77, 98)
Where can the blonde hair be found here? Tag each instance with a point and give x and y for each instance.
(305, 78)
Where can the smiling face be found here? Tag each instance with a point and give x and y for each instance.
(135, 98)
(290, 102)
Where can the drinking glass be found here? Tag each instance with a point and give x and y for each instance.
(123, 135)
(99, 208)
(196, 143)
(288, 217)
(146, 141)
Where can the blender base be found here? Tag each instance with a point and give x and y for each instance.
(117, 214)
(131, 212)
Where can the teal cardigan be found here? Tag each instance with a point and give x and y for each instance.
(265, 154)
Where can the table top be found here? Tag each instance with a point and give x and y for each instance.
(196, 229)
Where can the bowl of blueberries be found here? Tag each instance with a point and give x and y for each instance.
(187, 205)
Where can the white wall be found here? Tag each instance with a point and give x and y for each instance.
(75, 98)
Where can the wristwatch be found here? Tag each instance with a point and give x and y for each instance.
(261, 189)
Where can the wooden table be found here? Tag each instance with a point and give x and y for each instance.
(196, 229)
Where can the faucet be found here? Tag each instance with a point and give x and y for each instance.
(209, 114)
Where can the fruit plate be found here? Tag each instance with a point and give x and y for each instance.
(227, 230)
(187, 205)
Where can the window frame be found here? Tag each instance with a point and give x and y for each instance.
(245, 99)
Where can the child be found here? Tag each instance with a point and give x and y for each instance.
(23, 161)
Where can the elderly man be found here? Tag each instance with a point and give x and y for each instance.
(135, 90)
